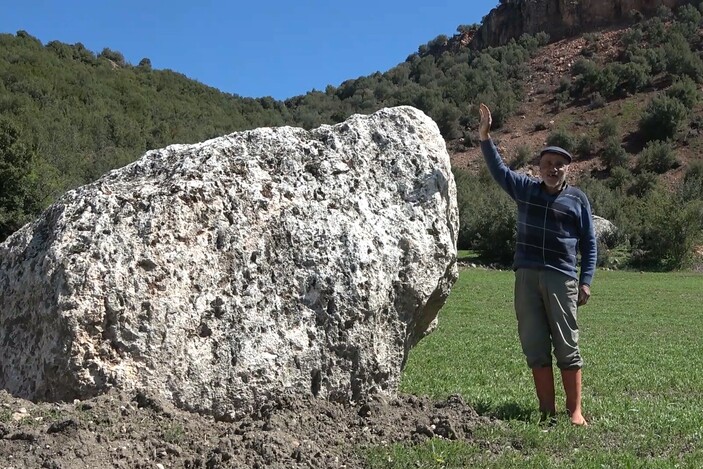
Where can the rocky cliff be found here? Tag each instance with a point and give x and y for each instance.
(559, 18)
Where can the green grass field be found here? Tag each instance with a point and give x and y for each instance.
(642, 342)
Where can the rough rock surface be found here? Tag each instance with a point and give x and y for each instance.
(559, 18)
(603, 227)
(219, 275)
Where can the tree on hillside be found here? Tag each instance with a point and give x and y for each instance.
(114, 56)
(663, 118)
(145, 64)
(17, 200)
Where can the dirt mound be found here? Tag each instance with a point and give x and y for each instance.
(135, 431)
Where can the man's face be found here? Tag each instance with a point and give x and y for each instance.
(553, 168)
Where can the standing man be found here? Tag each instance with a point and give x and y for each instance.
(554, 223)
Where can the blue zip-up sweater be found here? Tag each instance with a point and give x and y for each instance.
(551, 229)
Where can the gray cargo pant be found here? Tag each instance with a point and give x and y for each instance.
(545, 305)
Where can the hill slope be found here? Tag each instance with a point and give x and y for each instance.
(538, 116)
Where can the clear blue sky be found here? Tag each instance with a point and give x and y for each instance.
(253, 47)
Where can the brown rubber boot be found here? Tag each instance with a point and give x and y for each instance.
(544, 385)
(572, 388)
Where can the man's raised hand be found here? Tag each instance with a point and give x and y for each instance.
(485, 125)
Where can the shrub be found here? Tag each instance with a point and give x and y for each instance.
(584, 146)
(608, 129)
(604, 201)
(487, 217)
(620, 177)
(607, 81)
(668, 232)
(19, 200)
(633, 76)
(562, 138)
(689, 20)
(542, 38)
(585, 73)
(614, 154)
(438, 42)
(632, 38)
(145, 64)
(692, 186)
(447, 119)
(114, 56)
(497, 228)
(657, 157)
(656, 59)
(60, 49)
(592, 37)
(532, 43)
(654, 31)
(680, 59)
(466, 28)
(591, 46)
(664, 12)
(466, 192)
(663, 118)
(562, 99)
(539, 126)
(469, 139)
(522, 157)
(597, 101)
(584, 67)
(686, 91)
(635, 16)
(644, 183)
(637, 55)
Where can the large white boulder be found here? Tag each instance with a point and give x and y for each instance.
(604, 228)
(221, 274)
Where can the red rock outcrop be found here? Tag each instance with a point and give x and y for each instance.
(559, 18)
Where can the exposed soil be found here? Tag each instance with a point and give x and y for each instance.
(117, 430)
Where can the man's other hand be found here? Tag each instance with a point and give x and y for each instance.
(584, 294)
